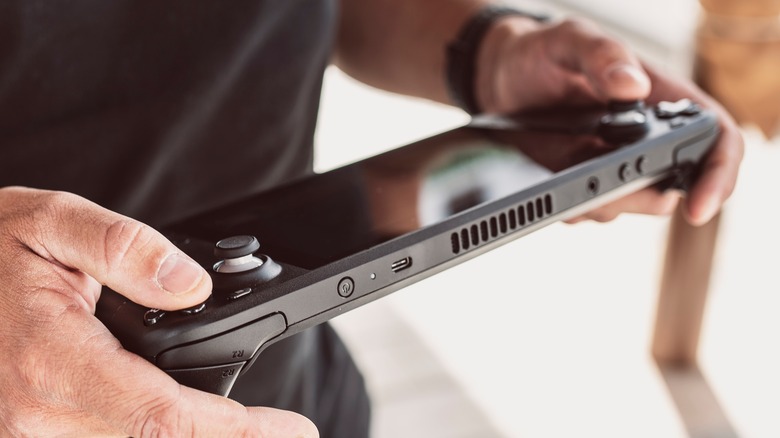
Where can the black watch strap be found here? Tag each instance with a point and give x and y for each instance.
(462, 53)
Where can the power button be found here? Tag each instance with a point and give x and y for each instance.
(346, 287)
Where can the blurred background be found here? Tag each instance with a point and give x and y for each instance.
(549, 336)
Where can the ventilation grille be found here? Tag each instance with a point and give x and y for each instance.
(498, 225)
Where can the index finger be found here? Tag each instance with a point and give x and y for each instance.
(134, 397)
(717, 179)
(719, 172)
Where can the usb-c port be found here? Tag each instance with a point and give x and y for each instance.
(400, 265)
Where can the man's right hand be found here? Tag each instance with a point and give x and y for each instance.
(529, 65)
(61, 372)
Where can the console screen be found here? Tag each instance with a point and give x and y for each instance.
(318, 220)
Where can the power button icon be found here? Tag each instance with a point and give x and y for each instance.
(346, 287)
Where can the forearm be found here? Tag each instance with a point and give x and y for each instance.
(400, 45)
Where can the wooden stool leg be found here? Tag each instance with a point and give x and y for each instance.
(684, 286)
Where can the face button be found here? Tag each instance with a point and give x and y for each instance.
(683, 107)
(236, 246)
(240, 293)
(193, 310)
(625, 113)
(152, 316)
(625, 122)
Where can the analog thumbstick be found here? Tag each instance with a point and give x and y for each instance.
(625, 121)
(236, 254)
(622, 106)
(236, 246)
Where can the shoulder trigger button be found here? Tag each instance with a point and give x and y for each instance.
(216, 380)
(237, 344)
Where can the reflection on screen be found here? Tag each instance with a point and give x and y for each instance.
(478, 172)
(319, 220)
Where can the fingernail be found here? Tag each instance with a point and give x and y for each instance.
(708, 210)
(178, 275)
(621, 74)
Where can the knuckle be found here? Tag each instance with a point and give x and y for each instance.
(19, 208)
(578, 26)
(588, 32)
(603, 45)
(53, 206)
(44, 209)
(125, 240)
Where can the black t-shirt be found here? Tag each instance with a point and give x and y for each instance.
(158, 110)
(161, 109)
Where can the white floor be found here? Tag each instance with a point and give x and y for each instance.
(549, 336)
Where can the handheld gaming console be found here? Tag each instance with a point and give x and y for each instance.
(298, 255)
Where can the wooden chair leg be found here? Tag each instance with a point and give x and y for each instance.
(681, 303)
(736, 61)
(683, 294)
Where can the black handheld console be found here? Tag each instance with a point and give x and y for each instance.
(334, 241)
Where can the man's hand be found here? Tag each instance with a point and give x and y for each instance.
(61, 372)
(523, 64)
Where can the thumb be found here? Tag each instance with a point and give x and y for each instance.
(621, 81)
(121, 253)
(608, 66)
